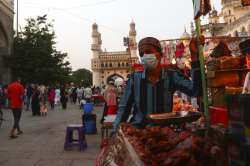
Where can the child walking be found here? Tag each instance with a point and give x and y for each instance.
(43, 107)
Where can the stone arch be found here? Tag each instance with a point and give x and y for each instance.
(3, 36)
(113, 76)
(236, 33)
(243, 29)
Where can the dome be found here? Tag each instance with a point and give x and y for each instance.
(185, 34)
(214, 12)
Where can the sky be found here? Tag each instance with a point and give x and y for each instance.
(163, 19)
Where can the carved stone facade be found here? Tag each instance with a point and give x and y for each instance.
(234, 20)
(111, 65)
(6, 38)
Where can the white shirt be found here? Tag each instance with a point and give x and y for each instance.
(88, 93)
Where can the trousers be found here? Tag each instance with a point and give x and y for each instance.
(17, 116)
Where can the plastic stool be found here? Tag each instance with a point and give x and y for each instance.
(70, 142)
(105, 133)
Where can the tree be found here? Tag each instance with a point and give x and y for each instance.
(82, 77)
(35, 57)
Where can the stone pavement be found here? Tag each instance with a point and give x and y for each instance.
(43, 140)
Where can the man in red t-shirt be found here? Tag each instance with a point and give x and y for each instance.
(15, 94)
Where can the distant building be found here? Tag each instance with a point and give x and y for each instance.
(108, 66)
(6, 38)
(234, 20)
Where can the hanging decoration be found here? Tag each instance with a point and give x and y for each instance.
(245, 2)
(201, 8)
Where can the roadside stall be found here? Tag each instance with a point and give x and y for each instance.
(187, 137)
(154, 146)
(228, 80)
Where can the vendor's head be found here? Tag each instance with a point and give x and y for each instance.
(150, 52)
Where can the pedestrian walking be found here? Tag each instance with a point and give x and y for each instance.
(1, 97)
(57, 96)
(29, 90)
(51, 98)
(35, 102)
(88, 94)
(64, 97)
(74, 95)
(79, 92)
(15, 94)
(110, 96)
(43, 107)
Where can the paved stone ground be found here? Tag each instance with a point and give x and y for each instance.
(43, 140)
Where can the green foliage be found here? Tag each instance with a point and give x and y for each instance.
(35, 57)
(82, 77)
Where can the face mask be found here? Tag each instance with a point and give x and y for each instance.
(149, 61)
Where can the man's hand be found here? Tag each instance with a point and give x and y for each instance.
(194, 49)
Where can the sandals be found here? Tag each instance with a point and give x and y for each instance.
(19, 132)
(13, 136)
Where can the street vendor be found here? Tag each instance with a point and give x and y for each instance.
(151, 91)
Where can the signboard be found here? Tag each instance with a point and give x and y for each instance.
(245, 2)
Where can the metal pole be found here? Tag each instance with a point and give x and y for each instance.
(202, 67)
(17, 18)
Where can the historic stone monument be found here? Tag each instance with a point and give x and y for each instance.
(112, 65)
(233, 20)
(6, 38)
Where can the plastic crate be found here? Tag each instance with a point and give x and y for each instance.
(90, 127)
(218, 116)
(239, 108)
(89, 123)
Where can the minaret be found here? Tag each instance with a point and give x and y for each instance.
(132, 40)
(96, 49)
(228, 10)
(213, 16)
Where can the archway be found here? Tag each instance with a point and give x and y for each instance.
(236, 34)
(114, 77)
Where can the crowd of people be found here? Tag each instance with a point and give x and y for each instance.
(40, 98)
(146, 92)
